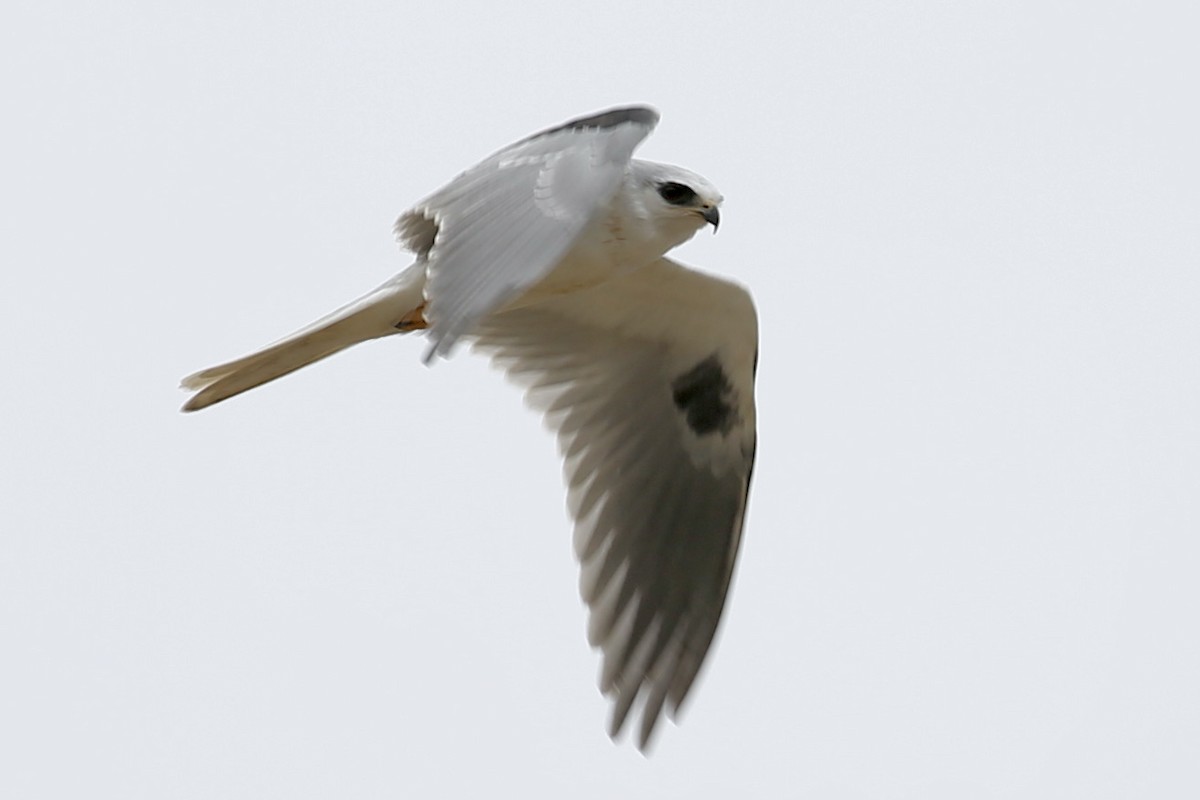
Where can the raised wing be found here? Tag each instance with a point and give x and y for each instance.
(648, 381)
(502, 225)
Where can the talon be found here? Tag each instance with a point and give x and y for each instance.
(414, 320)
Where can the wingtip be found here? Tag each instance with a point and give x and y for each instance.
(645, 737)
(430, 354)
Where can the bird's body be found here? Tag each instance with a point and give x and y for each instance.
(549, 255)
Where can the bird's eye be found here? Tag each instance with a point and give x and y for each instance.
(676, 193)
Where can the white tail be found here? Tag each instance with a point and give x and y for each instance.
(371, 316)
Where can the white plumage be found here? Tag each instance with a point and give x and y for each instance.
(548, 255)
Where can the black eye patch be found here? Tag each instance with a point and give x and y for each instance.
(676, 193)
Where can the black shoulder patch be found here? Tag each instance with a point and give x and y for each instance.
(702, 394)
(417, 230)
(642, 115)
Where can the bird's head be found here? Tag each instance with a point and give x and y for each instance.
(676, 201)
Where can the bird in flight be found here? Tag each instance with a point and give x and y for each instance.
(549, 256)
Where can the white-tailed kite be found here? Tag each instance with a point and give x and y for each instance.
(549, 256)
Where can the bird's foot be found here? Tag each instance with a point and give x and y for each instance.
(413, 321)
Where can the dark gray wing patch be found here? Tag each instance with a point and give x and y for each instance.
(703, 394)
(642, 115)
(417, 231)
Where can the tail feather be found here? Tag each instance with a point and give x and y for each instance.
(370, 317)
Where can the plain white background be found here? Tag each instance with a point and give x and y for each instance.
(970, 561)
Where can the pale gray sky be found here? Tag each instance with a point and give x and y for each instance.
(970, 564)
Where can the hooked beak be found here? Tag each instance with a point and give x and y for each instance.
(712, 216)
